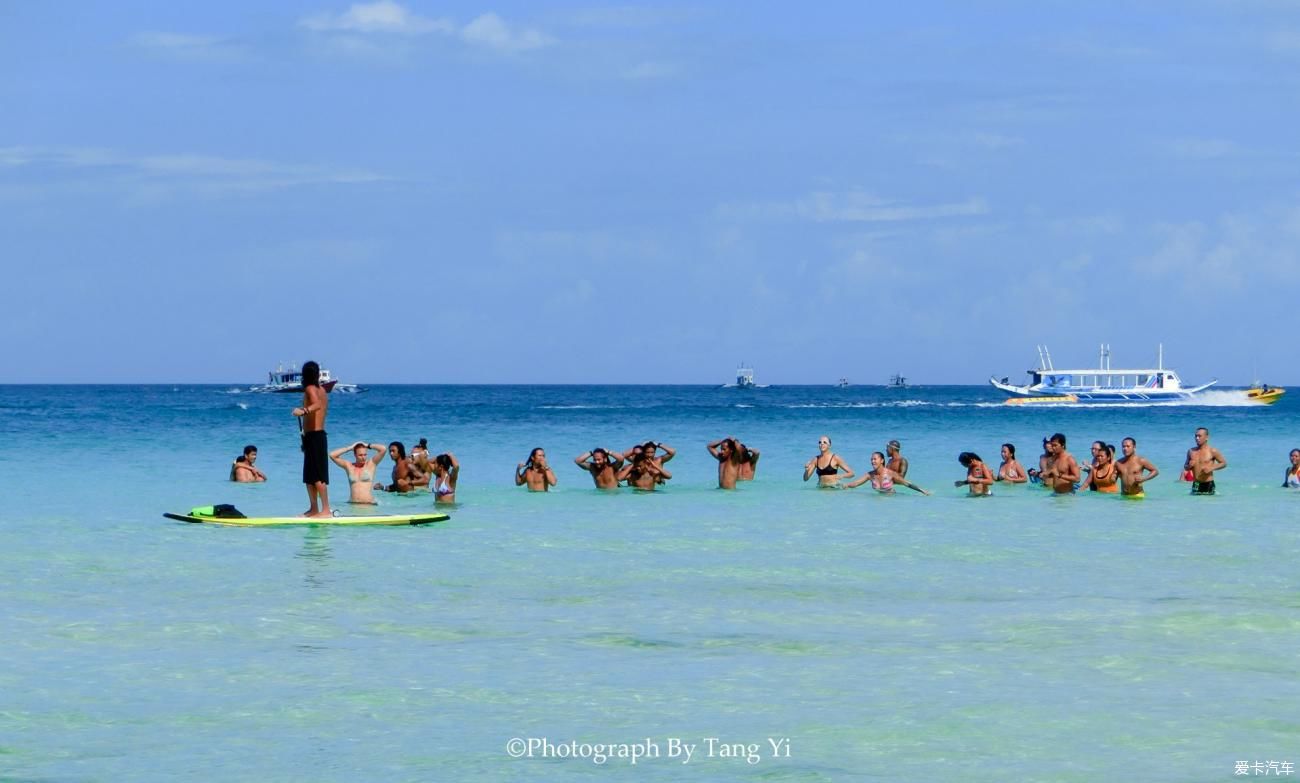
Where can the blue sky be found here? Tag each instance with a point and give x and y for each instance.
(570, 192)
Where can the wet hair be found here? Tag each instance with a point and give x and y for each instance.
(878, 454)
(533, 453)
(360, 445)
(1130, 439)
(238, 461)
(424, 444)
(1294, 452)
(1110, 449)
(1101, 444)
(1010, 448)
(1058, 439)
(310, 374)
(241, 459)
(967, 457)
(1206, 430)
(650, 446)
(599, 450)
(828, 439)
(443, 460)
(401, 449)
(249, 449)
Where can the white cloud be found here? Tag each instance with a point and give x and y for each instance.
(855, 206)
(191, 47)
(389, 18)
(1232, 254)
(860, 207)
(491, 31)
(153, 175)
(383, 16)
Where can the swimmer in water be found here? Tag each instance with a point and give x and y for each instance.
(749, 465)
(243, 470)
(361, 470)
(978, 475)
(1044, 459)
(896, 463)
(446, 471)
(1202, 461)
(535, 472)
(1011, 471)
(828, 466)
(1062, 473)
(603, 465)
(406, 477)
(1291, 479)
(1134, 470)
(643, 470)
(882, 478)
(420, 456)
(1105, 473)
(731, 457)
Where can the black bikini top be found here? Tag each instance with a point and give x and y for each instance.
(829, 470)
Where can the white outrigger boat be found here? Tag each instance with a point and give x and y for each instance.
(744, 380)
(282, 381)
(1104, 384)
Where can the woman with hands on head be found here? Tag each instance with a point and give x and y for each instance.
(361, 470)
(446, 471)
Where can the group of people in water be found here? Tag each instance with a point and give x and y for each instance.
(1057, 469)
(642, 466)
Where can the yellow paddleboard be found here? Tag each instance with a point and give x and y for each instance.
(377, 519)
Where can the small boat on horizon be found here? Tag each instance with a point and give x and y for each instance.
(1103, 384)
(897, 382)
(282, 381)
(744, 379)
(842, 383)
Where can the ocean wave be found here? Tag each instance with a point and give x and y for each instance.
(889, 404)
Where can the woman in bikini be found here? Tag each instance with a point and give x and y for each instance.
(978, 476)
(828, 466)
(1105, 475)
(446, 470)
(1291, 480)
(361, 471)
(882, 478)
(1011, 471)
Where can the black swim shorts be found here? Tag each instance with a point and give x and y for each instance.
(315, 458)
(1202, 487)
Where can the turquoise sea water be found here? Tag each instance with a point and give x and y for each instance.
(1020, 637)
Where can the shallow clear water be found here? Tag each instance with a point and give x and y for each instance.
(889, 638)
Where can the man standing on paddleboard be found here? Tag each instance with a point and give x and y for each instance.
(315, 446)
